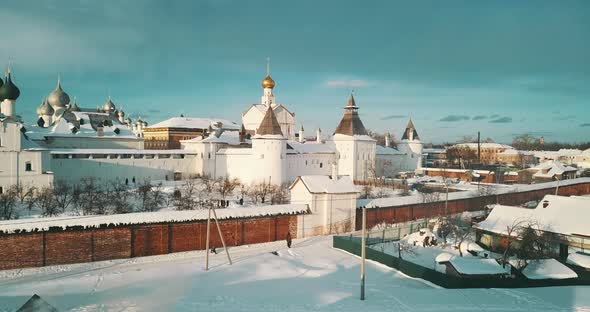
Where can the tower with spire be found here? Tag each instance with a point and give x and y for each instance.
(410, 145)
(268, 85)
(355, 149)
(269, 148)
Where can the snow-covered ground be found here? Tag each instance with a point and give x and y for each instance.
(310, 276)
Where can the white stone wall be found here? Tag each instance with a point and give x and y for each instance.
(71, 168)
(388, 165)
(92, 142)
(413, 151)
(309, 164)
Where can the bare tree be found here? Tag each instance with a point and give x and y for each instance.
(367, 191)
(63, 195)
(89, 196)
(208, 183)
(226, 186)
(157, 198)
(461, 229)
(144, 195)
(8, 201)
(185, 196)
(261, 191)
(119, 201)
(280, 194)
(46, 202)
(512, 232)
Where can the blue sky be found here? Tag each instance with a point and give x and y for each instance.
(455, 67)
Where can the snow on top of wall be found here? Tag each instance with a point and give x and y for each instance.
(231, 137)
(195, 123)
(458, 170)
(579, 259)
(482, 145)
(503, 189)
(63, 128)
(327, 185)
(116, 151)
(43, 224)
(312, 148)
(476, 266)
(563, 215)
(546, 269)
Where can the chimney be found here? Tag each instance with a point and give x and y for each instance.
(387, 143)
(319, 136)
(100, 131)
(301, 134)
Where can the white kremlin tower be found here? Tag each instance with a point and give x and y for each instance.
(411, 146)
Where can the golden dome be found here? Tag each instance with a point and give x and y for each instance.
(268, 82)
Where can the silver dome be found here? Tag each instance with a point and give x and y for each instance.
(58, 98)
(45, 109)
(109, 106)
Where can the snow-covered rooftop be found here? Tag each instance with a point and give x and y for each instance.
(116, 151)
(63, 128)
(579, 259)
(43, 224)
(563, 215)
(476, 266)
(224, 136)
(546, 269)
(552, 168)
(312, 148)
(325, 184)
(482, 145)
(195, 123)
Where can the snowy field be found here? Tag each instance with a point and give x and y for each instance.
(310, 276)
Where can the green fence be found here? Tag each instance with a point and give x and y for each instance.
(352, 244)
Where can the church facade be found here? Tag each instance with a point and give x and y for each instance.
(69, 143)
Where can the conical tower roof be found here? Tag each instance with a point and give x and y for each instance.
(351, 123)
(410, 133)
(270, 124)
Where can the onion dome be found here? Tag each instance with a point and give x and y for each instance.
(45, 109)
(74, 107)
(58, 98)
(9, 91)
(121, 113)
(139, 121)
(109, 106)
(268, 82)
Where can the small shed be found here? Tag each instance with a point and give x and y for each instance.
(332, 201)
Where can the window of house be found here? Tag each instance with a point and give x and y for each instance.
(28, 166)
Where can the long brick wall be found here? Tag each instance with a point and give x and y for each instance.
(404, 213)
(21, 250)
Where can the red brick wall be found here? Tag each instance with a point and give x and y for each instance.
(23, 250)
(111, 244)
(68, 247)
(84, 245)
(396, 214)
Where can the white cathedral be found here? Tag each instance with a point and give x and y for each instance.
(69, 143)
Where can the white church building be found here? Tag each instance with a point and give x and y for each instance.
(70, 143)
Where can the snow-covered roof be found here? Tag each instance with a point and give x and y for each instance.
(228, 137)
(552, 168)
(325, 184)
(63, 128)
(482, 145)
(443, 257)
(546, 269)
(477, 266)
(459, 170)
(115, 151)
(312, 148)
(43, 224)
(579, 259)
(563, 215)
(356, 137)
(195, 123)
(382, 150)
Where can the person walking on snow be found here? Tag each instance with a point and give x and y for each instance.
(289, 240)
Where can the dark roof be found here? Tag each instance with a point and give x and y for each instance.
(270, 124)
(410, 129)
(36, 304)
(351, 123)
(9, 90)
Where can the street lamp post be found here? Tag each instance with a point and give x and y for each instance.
(363, 245)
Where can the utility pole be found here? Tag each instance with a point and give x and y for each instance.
(208, 237)
(363, 245)
(557, 188)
